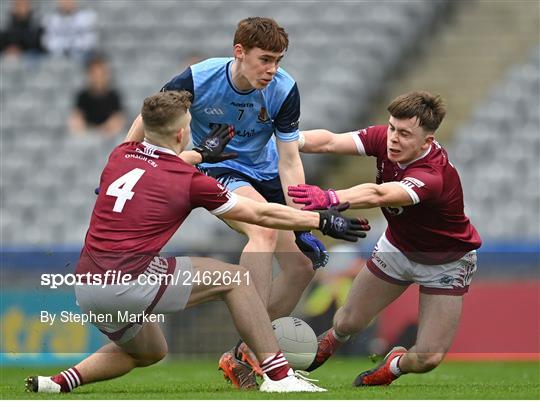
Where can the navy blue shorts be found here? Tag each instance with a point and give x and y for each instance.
(231, 179)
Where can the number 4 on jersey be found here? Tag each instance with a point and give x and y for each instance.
(121, 188)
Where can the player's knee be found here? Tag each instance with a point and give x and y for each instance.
(302, 272)
(345, 323)
(151, 356)
(265, 238)
(428, 361)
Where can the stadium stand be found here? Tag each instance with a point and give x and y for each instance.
(338, 69)
(498, 149)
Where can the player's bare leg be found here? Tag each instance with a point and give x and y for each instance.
(368, 296)
(296, 274)
(246, 307)
(258, 252)
(438, 321)
(110, 361)
(252, 322)
(439, 317)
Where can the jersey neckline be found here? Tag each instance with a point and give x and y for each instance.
(228, 74)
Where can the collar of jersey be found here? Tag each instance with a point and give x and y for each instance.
(157, 148)
(231, 83)
(403, 166)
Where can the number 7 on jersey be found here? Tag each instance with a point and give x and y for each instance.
(121, 188)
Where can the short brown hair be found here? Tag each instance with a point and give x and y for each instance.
(161, 112)
(429, 109)
(261, 32)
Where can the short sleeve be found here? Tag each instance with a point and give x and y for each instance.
(371, 141)
(288, 117)
(181, 82)
(208, 193)
(422, 184)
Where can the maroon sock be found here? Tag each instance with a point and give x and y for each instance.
(68, 380)
(276, 367)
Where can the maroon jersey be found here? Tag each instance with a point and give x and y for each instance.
(434, 230)
(146, 192)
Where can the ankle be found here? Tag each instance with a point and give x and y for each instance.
(276, 367)
(68, 379)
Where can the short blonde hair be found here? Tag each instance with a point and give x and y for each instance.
(162, 112)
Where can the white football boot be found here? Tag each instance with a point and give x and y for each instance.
(42, 384)
(296, 382)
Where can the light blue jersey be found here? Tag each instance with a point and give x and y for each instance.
(255, 114)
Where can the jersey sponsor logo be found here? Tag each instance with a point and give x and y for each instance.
(394, 211)
(245, 133)
(241, 104)
(263, 115)
(377, 260)
(214, 111)
(411, 182)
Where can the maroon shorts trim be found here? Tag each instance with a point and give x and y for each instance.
(115, 336)
(441, 291)
(375, 270)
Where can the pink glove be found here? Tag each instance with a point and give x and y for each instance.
(313, 197)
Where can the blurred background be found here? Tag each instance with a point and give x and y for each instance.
(74, 74)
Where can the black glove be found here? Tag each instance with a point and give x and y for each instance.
(333, 224)
(211, 148)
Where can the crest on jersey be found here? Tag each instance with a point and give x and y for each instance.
(263, 115)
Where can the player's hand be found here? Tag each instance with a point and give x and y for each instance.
(211, 148)
(312, 248)
(313, 197)
(332, 223)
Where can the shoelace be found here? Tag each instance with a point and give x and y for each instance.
(304, 375)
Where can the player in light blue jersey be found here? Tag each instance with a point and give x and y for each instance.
(261, 100)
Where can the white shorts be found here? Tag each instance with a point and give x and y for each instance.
(116, 302)
(391, 265)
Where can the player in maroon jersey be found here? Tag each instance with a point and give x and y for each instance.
(428, 241)
(147, 191)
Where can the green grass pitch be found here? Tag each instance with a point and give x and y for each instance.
(201, 380)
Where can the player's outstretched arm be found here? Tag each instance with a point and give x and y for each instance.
(323, 141)
(368, 195)
(330, 222)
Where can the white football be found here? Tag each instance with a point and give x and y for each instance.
(296, 340)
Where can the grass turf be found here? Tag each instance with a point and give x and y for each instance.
(201, 380)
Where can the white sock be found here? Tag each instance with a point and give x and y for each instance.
(394, 367)
(340, 338)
